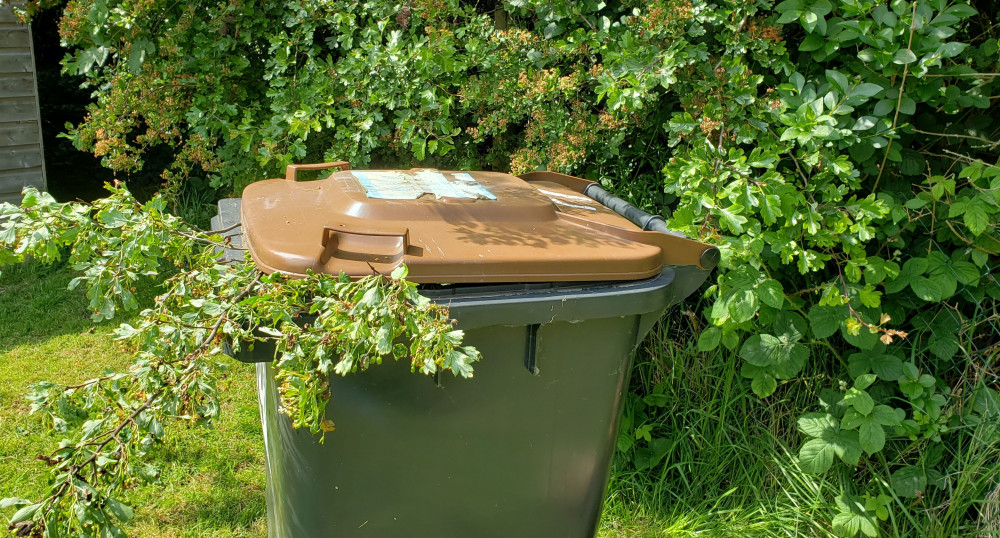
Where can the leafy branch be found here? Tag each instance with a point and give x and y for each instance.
(320, 325)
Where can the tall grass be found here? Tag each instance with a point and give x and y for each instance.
(728, 470)
(730, 467)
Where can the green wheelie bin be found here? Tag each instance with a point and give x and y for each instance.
(551, 278)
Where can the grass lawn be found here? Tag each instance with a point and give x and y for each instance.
(726, 473)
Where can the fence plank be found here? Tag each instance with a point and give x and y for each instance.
(19, 134)
(18, 157)
(20, 85)
(13, 36)
(15, 61)
(14, 109)
(11, 183)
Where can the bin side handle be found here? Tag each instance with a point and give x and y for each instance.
(292, 170)
(331, 242)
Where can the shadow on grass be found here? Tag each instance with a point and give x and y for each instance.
(212, 480)
(36, 304)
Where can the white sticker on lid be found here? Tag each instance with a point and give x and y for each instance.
(406, 185)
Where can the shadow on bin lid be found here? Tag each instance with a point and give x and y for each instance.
(451, 227)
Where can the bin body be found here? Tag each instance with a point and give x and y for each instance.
(523, 448)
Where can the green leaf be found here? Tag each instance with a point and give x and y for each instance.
(112, 218)
(400, 272)
(763, 385)
(813, 42)
(759, 349)
(943, 345)
(120, 510)
(887, 367)
(13, 501)
(25, 513)
(848, 524)
(810, 20)
(967, 273)
(976, 215)
(743, 305)
(709, 339)
(731, 219)
(904, 56)
(769, 350)
(770, 293)
(852, 419)
(885, 415)
(927, 289)
(460, 362)
(816, 456)
(825, 320)
(818, 424)
(846, 446)
(864, 123)
(909, 481)
(866, 90)
(860, 400)
(838, 80)
(864, 381)
(790, 326)
(871, 436)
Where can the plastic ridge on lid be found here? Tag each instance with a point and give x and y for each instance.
(453, 227)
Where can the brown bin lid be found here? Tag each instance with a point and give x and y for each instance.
(450, 227)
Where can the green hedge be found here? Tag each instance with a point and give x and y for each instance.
(842, 154)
